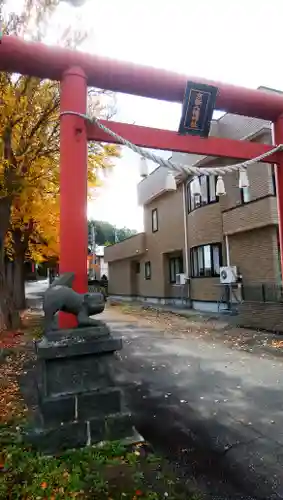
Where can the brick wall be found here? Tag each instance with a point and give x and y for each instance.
(261, 316)
(255, 253)
(205, 225)
(205, 289)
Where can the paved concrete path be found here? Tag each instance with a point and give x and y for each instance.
(219, 409)
(35, 290)
(228, 403)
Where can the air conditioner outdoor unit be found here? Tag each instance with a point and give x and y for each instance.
(228, 274)
(180, 279)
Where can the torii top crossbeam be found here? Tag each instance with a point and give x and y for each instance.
(37, 59)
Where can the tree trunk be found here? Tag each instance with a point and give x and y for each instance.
(19, 295)
(20, 239)
(9, 317)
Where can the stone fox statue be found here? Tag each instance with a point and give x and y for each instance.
(61, 297)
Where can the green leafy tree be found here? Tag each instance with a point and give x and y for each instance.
(107, 234)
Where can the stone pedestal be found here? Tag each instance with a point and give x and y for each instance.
(78, 402)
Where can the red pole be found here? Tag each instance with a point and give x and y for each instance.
(73, 183)
(278, 136)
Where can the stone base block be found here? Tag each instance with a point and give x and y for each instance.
(77, 342)
(56, 439)
(78, 402)
(101, 330)
(73, 376)
(78, 362)
(119, 426)
(82, 406)
(116, 427)
(99, 403)
(55, 411)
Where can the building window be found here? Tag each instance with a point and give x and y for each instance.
(154, 220)
(245, 195)
(206, 260)
(138, 267)
(175, 267)
(147, 270)
(207, 192)
(273, 179)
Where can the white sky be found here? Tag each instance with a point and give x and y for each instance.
(235, 42)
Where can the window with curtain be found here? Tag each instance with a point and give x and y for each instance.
(154, 220)
(147, 270)
(207, 192)
(245, 194)
(206, 260)
(273, 179)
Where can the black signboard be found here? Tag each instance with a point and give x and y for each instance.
(198, 107)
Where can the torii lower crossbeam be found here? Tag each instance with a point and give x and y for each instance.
(154, 138)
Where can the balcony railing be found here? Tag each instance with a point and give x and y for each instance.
(152, 186)
(134, 246)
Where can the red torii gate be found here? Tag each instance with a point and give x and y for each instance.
(76, 70)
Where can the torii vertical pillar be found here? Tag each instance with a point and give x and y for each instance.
(73, 183)
(278, 136)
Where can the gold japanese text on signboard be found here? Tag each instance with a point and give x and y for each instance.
(198, 107)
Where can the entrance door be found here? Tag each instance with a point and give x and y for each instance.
(135, 276)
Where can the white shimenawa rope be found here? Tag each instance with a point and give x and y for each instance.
(188, 169)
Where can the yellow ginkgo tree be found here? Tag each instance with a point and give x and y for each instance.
(29, 165)
(33, 234)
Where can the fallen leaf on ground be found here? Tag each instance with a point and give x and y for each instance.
(277, 343)
(11, 402)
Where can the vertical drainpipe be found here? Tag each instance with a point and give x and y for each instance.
(185, 230)
(227, 250)
(278, 237)
(185, 222)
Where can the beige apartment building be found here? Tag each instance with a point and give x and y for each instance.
(194, 236)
